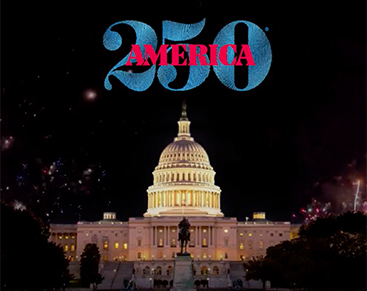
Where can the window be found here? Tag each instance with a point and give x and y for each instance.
(105, 257)
(241, 233)
(116, 245)
(72, 235)
(250, 245)
(261, 244)
(280, 234)
(241, 246)
(66, 236)
(169, 270)
(173, 254)
(204, 255)
(204, 242)
(105, 245)
(250, 234)
(158, 271)
(226, 230)
(59, 236)
(139, 256)
(71, 258)
(204, 230)
(125, 246)
(173, 243)
(116, 234)
(204, 270)
(160, 255)
(215, 270)
(72, 247)
(261, 234)
(139, 242)
(66, 248)
(160, 242)
(272, 234)
(226, 242)
(225, 255)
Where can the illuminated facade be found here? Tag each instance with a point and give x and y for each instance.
(183, 185)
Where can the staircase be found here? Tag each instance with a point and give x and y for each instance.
(124, 271)
(237, 271)
(108, 272)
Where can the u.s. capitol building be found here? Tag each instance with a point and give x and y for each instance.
(183, 185)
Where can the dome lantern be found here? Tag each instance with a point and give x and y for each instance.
(184, 125)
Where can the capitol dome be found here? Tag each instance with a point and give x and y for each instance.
(183, 181)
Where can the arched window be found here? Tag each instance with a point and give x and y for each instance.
(169, 270)
(215, 270)
(158, 271)
(146, 271)
(204, 270)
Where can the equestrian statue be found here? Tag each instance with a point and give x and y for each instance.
(184, 234)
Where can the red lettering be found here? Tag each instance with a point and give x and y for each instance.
(223, 54)
(137, 55)
(193, 54)
(247, 55)
(176, 55)
(149, 52)
(213, 55)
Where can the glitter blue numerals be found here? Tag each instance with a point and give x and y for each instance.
(112, 41)
(261, 52)
(175, 31)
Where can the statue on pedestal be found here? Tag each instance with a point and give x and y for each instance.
(184, 234)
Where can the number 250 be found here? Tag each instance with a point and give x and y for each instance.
(175, 31)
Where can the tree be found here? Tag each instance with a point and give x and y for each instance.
(328, 248)
(28, 259)
(89, 263)
(258, 269)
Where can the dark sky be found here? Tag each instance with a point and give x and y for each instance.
(304, 124)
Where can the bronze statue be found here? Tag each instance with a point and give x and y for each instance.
(184, 233)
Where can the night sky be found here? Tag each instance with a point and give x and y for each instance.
(72, 149)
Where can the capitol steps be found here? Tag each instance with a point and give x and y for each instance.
(124, 271)
(237, 271)
(108, 271)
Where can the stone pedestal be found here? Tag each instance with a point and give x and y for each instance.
(183, 276)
